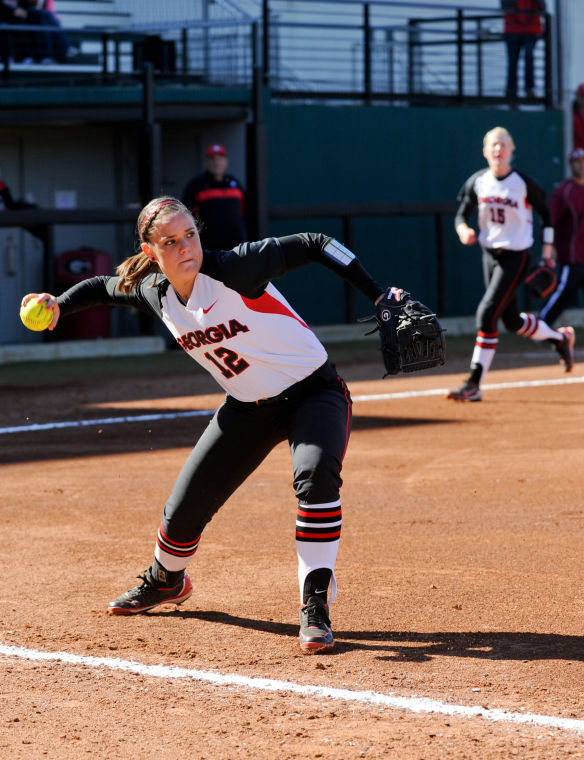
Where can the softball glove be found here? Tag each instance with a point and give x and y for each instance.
(542, 279)
(410, 334)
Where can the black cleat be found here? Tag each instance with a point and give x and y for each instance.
(468, 391)
(315, 633)
(146, 596)
(565, 347)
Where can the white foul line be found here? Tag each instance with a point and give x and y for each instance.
(155, 417)
(412, 704)
(486, 387)
(35, 428)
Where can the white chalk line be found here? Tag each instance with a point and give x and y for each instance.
(35, 428)
(411, 704)
(486, 387)
(155, 417)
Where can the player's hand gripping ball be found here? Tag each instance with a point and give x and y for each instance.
(36, 316)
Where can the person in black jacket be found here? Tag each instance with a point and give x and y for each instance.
(217, 200)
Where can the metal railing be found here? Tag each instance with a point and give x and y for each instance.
(366, 55)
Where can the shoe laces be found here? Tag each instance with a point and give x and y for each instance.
(146, 589)
(315, 612)
(146, 585)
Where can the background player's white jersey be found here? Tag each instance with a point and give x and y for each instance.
(505, 208)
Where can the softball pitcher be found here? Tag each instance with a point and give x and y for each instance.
(504, 198)
(222, 309)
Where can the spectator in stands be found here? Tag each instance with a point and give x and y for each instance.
(41, 46)
(578, 118)
(12, 13)
(523, 28)
(217, 199)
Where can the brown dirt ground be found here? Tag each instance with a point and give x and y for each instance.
(460, 573)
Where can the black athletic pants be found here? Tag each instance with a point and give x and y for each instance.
(314, 416)
(503, 272)
(566, 294)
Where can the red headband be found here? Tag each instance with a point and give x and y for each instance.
(155, 210)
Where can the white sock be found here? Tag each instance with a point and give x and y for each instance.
(537, 329)
(314, 554)
(483, 354)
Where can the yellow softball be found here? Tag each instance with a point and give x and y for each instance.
(36, 316)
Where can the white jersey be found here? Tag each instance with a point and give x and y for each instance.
(254, 348)
(505, 208)
(236, 324)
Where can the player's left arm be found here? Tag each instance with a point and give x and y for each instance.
(250, 266)
(536, 197)
(322, 249)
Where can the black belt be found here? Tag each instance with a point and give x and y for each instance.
(499, 251)
(323, 374)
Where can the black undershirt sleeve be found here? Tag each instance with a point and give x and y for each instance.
(315, 247)
(102, 291)
(467, 200)
(250, 266)
(536, 196)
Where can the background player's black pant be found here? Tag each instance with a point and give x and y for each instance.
(238, 438)
(570, 281)
(503, 272)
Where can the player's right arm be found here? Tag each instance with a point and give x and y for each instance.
(467, 206)
(103, 291)
(98, 291)
(467, 235)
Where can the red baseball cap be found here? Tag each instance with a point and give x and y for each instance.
(215, 150)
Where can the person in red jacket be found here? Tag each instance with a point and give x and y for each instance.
(523, 28)
(578, 118)
(567, 209)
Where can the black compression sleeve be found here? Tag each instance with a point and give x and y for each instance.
(83, 295)
(300, 249)
(102, 291)
(467, 200)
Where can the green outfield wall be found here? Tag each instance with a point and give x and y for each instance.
(326, 154)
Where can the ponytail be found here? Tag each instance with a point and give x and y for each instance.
(133, 270)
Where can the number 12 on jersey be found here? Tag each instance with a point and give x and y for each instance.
(230, 364)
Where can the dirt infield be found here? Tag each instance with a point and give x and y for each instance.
(461, 578)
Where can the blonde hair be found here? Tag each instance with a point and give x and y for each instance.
(135, 268)
(499, 130)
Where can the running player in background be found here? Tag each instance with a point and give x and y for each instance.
(222, 309)
(504, 198)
